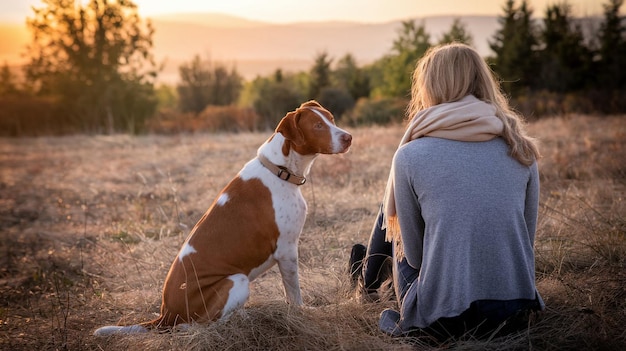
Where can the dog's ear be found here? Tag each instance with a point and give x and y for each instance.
(288, 127)
(311, 103)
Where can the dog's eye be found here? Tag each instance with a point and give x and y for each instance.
(319, 125)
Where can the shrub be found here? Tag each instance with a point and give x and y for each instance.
(32, 116)
(229, 118)
(337, 100)
(211, 119)
(377, 111)
(538, 104)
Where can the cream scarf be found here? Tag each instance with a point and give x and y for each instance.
(468, 119)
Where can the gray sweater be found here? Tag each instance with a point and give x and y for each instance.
(468, 215)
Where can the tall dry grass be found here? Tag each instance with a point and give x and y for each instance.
(89, 226)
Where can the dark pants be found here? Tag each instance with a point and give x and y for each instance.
(378, 251)
(484, 318)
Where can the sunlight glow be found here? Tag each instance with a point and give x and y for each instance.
(289, 11)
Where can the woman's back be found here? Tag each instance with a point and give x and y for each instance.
(473, 208)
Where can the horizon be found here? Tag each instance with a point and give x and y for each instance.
(223, 40)
(289, 12)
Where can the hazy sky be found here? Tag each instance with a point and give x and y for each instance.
(284, 11)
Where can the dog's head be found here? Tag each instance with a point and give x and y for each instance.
(311, 129)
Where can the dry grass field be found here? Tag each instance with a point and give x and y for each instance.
(89, 226)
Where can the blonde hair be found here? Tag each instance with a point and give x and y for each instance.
(449, 72)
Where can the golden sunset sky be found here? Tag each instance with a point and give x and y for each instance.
(286, 11)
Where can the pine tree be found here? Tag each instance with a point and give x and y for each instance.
(397, 68)
(320, 75)
(352, 78)
(515, 45)
(457, 33)
(565, 60)
(612, 49)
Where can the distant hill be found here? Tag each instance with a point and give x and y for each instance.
(214, 19)
(259, 48)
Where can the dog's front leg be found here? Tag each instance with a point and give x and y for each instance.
(288, 266)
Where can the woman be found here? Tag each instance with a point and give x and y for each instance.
(460, 206)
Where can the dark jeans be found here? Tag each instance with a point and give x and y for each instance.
(484, 318)
(378, 251)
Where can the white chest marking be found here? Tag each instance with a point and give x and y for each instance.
(287, 200)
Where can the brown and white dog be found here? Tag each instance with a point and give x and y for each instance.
(254, 223)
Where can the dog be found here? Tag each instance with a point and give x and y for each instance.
(254, 223)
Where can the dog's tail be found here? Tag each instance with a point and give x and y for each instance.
(127, 329)
(120, 329)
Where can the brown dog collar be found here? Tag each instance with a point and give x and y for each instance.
(282, 172)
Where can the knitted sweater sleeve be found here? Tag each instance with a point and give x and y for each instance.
(409, 213)
(532, 201)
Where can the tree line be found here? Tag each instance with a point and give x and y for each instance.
(562, 57)
(91, 70)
